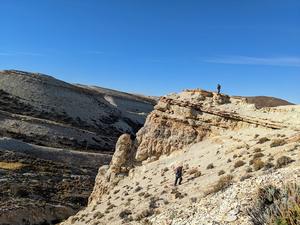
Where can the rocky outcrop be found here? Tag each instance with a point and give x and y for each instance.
(189, 117)
(120, 165)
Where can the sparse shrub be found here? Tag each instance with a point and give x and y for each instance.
(221, 172)
(223, 183)
(141, 194)
(257, 150)
(152, 203)
(283, 161)
(193, 200)
(210, 166)
(197, 174)
(229, 161)
(147, 195)
(258, 164)
(268, 165)
(235, 156)
(249, 170)
(193, 171)
(277, 143)
(125, 213)
(256, 136)
(276, 206)
(239, 164)
(263, 140)
(245, 177)
(98, 215)
(258, 155)
(138, 188)
(144, 214)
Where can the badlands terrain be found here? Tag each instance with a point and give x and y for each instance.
(231, 152)
(53, 138)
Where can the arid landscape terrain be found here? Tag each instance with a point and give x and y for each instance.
(233, 154)
(94, 156)
(53, 138)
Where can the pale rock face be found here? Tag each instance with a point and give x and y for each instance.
(122, 161)
(122, 152)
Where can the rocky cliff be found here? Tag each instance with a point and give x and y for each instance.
(217, 138)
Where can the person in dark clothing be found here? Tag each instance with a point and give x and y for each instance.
(178, 175)
(219, 88)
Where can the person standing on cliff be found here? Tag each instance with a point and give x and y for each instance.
(219, 88)
(178, 175)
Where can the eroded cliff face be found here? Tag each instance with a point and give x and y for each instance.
(178, 121)
(208, 134)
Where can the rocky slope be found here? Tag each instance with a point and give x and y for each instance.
(228, 148)
(53, 138)
(43, 110)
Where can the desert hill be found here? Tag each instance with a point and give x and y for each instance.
(265, 101)
(53, 137)
(43, 110)
(229, 150)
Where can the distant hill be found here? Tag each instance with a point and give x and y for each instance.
(42, 110)
(265, 101)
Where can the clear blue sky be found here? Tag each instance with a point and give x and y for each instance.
(251, 47)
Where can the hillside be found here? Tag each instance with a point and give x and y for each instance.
(42, 110)
(228, 148)
(53, 138)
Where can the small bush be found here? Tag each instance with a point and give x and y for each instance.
(210, 166)
(193, 171)
(245, 177)
(249, 170)
(257, 150)
(258, 164)
(197, 174)
(283, 161)
(221, 172)
(125, 213)
(277, 143)
(258, 155)
(98, 215)
(223, 183)
(144, 214)
(239, 164)
(268, 165)
(276, 206)
(263, 140)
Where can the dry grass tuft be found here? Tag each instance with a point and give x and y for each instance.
(277, 206)
(223, 183)
(277, 143)
(239, 164)
(11, 165)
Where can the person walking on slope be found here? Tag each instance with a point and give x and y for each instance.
(219, 88)
(178, 175)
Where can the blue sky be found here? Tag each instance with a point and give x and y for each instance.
(158, 46)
